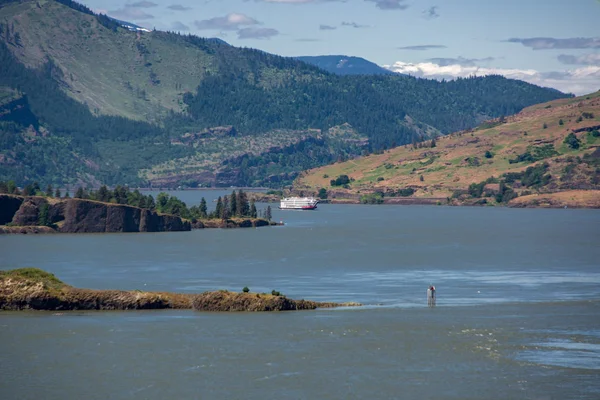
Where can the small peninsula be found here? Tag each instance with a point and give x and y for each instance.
(119, 210)
(35, 289)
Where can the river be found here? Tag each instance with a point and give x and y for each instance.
(517, 317)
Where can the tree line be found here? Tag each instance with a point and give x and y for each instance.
(235, 205)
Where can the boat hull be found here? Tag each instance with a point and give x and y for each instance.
(299, 208)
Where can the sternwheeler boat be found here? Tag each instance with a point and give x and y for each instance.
(298, 203)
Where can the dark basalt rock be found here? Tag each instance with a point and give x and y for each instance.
(79, 216)
(9, 205)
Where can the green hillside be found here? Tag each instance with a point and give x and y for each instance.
(86, 101)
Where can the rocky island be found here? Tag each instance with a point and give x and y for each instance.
(35, 289)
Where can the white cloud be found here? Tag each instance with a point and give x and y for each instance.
(584, 59)
(579, 81)
(230, 22)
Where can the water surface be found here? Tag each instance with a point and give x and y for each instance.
(517, 314)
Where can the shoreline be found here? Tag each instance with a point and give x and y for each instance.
(35, 289)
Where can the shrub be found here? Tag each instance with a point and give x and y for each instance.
(340, 181)
(572, 141)
(372, 198)
(545, 126)
(322, 193)
(406, 192)
(561, 122)
(245, 289)
(587, 115)
(380, 178)
(488, 154)
(275, 293)
(595, 133)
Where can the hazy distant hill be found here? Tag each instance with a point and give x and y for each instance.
(547, 155)
(344, 65)
(87, 100)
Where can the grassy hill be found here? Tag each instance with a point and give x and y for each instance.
(87, 101)
(527, 154)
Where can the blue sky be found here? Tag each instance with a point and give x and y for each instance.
(553, 43)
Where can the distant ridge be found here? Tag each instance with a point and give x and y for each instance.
(130, 26)
(346, 65)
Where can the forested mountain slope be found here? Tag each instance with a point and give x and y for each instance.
(88, 101)
(345, 65)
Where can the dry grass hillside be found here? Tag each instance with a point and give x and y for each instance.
(526, 153)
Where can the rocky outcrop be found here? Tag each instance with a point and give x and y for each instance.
(34, 289)
(9, 205)
(85, 216)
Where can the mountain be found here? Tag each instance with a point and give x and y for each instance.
(548, 154)
(131, 26)
(86, 101)
(344, 65)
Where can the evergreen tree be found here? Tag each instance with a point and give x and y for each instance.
(203, 210)
(3, 187)
(225, 211)
(67, 195)
(219, 208)
(103, 194)
(233, 205)
(57, 193)
(79, 193)
(150, 204)
(28, 190)
(49, 191)
(268, 215)
(11, 187)
(253, 213)
(243, 208)
(43, 219)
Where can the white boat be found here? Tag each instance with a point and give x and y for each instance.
(298, 203)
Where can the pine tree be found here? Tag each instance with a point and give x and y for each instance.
(242, 204)
(49, 191)
(79, 193)
(268, 215)
(43, 215)
(203, 211)
(253, 213)
(103, 194)
(233, 205)
(150, 204)
(225, 211)
(57, 193)
(219, 208)
(11, 187)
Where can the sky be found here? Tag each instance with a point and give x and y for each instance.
(553, 43)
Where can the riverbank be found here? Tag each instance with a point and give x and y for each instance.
(564, 199)
(35, 289)
(38, 214)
